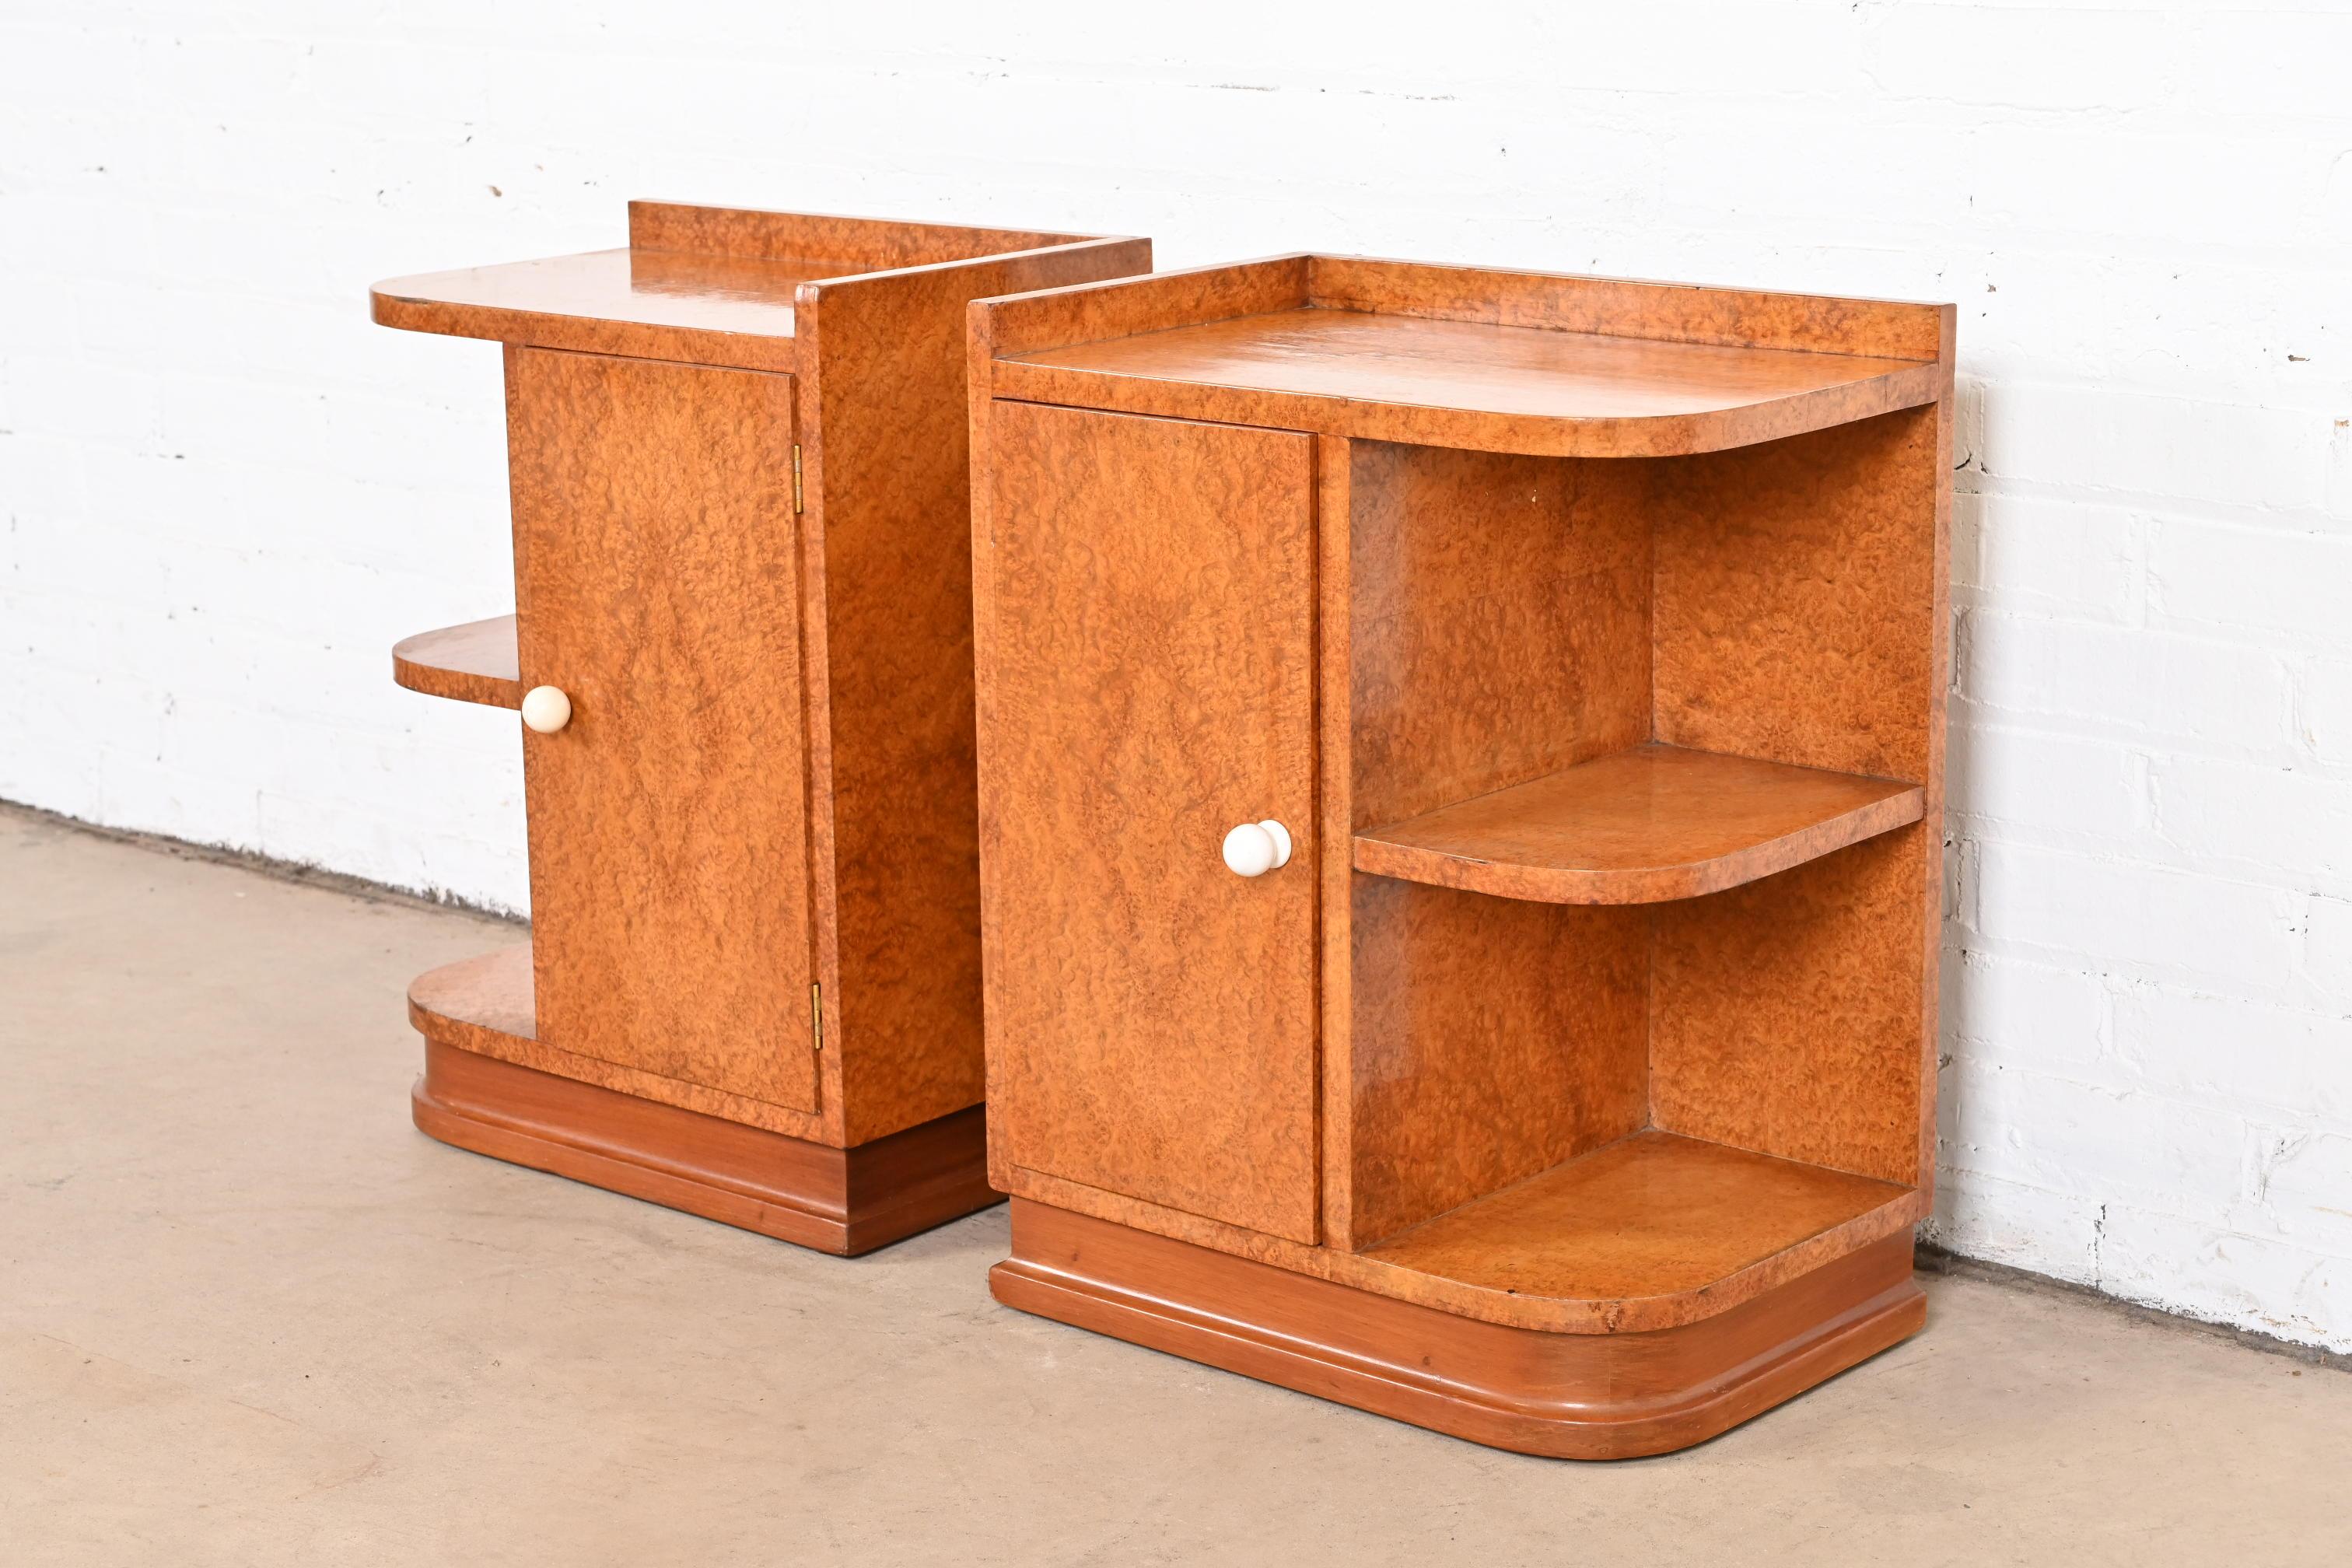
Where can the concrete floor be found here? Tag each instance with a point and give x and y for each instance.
(249, 1315)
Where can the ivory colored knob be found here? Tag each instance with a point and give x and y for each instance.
(546, 709)
(1256, 847)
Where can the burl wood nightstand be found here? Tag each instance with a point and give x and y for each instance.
(741, 647)
(1460, 805)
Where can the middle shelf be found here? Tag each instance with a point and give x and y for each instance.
(1643, 825)
(476, 662)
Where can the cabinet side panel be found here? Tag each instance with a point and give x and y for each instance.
(1500, 622)
(1800, 617)
(654, 583)
(1499, 631)
(1786, 1013)
(1493, 1039)
(1150, 637)
(887, 486)
(1795, 591)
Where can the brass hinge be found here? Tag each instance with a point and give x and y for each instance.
(796, 477)
(816, 1013)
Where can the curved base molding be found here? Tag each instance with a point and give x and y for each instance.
(843, 1200)
(1570, 1396)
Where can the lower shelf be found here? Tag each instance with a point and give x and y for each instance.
(1565, 1395)
(1655, 1231)
(843, 1200)
(1650, 1216)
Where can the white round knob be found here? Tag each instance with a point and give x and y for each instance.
(546, 709)
(1256, 847)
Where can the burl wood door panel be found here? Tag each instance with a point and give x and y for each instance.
(657, 583)
(1148, 644)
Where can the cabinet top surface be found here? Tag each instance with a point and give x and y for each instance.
(1539, 362)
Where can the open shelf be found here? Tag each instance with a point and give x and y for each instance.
(1638, 827)
(471, 663)
(1652, 1215)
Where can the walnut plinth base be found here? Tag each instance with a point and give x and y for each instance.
(1560, 1396)
(842, 1201)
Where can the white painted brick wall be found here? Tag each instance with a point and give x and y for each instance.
(226, 494)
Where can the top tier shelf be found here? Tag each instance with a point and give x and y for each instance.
(706, 285)
(1534, 362)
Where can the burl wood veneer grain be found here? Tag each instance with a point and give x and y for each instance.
(1474, 383)
(1793, 586)
(768, 779)
(1367, 1272)
(1334, 462)
(1649, 1215)
(1498, 622)
(477, 1020)
(475, 662)
(1594, 1396)
(887, 474)
(864, 244)
(1785, 1015)
(1498, 630)
(1803, 615)
(1535, 362)
(655, 583)
(1640, 603)
(1151, 1017)
(1490, 1039)
(1631, 308)
(716, 286)
(484, 1004)
(1643, 825)
(732, 311)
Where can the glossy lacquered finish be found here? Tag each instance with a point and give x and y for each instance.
(836, 1200)
(718, 286)
(475, 662)
(1638, 827)
(655, 586)
(1573, 1397)
(1625, 623)
(1446, 382)
(648, 304)
(1473, 358)
(1131, 1048)
(741, 560)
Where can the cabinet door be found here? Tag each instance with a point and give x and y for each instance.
(657, 583)
(1148, 671)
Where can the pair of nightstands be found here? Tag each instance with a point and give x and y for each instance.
(1449, 842)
